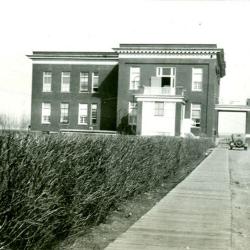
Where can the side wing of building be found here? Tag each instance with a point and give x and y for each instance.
(74, 91)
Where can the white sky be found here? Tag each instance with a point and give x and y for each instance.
(98, 25)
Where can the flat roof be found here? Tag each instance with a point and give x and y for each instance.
(231, 107)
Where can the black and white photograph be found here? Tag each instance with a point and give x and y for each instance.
(125, 125)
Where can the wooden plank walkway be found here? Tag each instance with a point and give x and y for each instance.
(196, 215)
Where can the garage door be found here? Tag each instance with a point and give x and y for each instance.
(231, 122)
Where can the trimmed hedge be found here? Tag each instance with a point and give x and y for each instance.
(53, 185)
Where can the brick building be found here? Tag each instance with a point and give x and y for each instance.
(146, 89)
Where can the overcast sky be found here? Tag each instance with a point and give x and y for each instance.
(98, 25)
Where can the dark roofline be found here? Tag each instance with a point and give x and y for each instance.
(73, 55)
(74, 52)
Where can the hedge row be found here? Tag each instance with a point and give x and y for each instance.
(53, 185)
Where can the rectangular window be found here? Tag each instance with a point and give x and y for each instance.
(159, 108)
(83, 114)
(47, 80)
(167, 76)
(65, 82)
(95, 82)
(46, 111)
(135, 75)
(64, 115)
(93, 114)
(197, 75)
(84, 82)
(132, 113)
(196, 115)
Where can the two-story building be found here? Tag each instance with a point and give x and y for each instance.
(145, 89)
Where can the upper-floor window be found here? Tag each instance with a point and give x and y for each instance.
(84, 82)
(167, 75)
(83, 114)
(46, 111)
(196, 115)
(135, 75)
(159, 109)
(93, 114)
(95, 82)
(64, 115)
(132, 113)
(65, 82)
(47, 81)
(197, 76)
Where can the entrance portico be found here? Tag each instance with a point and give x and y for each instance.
(160, 111)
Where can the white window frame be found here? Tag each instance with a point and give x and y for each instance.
(95, 75)
(195, 107)
(157, 110)
(64, 112)
(46, 113)
(83, 112)
(159, 71)
(134, 78)
(132, 113)
(197, 85)
(172, 75)
(47, 85)
(84, 81)
(93, 113)
(65, 86)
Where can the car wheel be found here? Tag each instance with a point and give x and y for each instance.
(245, 148)
(239, 143)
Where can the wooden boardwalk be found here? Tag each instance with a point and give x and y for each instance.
(196, 215)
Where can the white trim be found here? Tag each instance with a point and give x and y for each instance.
(166, 56)
(87, 113)
(191, 114)
(79, 62)
(93, 76)
(88, 131)
(132, 81)
(202, 74)
(131, 107)
(235, 108)
(63, 84)
(91, 113)
(143, 98)
(44, 84)
(167, 51)
(44, 111)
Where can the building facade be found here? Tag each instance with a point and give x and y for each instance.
(144, 89)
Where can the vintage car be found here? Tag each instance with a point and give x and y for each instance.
(238, 141)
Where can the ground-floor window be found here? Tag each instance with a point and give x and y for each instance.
(83, 114)
(132, 113)
(159, 109)
(64, 114)
(93, 114)
(46, 111)
(196, 115)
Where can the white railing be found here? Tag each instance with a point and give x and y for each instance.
(158, 90)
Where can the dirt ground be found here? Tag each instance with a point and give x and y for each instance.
(123, 217)
(239, 165)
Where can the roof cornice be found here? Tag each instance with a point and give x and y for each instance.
(166, 51)
(55, 55)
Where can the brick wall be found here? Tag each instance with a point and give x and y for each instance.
(206, 98)
(106, 98)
